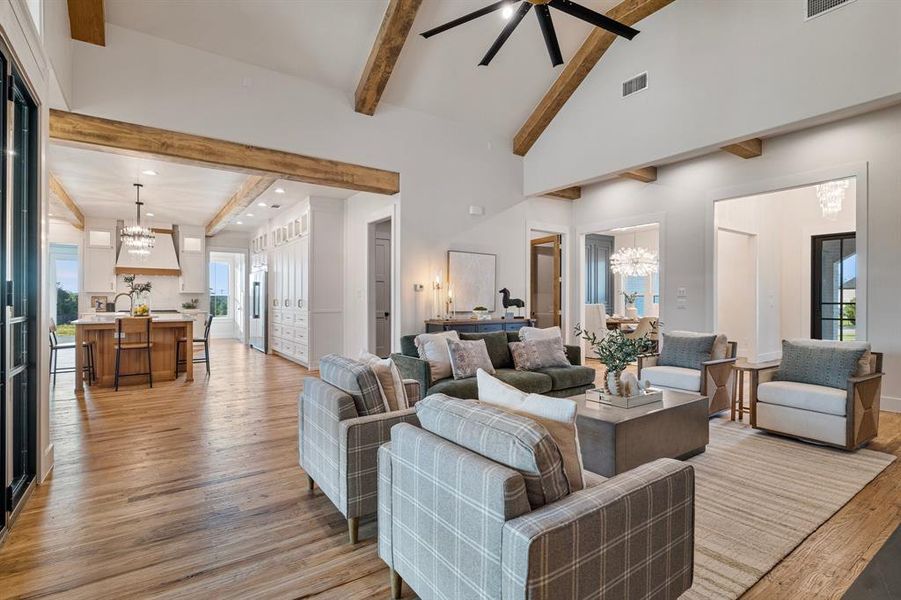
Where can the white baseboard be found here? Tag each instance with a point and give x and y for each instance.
(890, 403)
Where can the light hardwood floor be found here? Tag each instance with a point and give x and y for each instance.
(193, 491)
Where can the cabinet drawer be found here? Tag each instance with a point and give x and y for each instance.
(300, 316)
(277, 330)
(276, 344)
(300, 335)
(288, 347)
(277, 316)
(490, 327)
(288, 332)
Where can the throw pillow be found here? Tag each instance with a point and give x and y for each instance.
(819, 362)
(534, 333)
(391, 384)
(686, 350)
(557, 415)
(432, 347)
(467, 357)
(538, 354)
(720, 348)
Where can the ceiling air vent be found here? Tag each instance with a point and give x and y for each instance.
(815, 8)
(636, 84)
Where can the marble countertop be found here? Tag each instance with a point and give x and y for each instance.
(111, 318)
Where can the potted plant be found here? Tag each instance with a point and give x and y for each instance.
(140, 296)
(630, 298)
(480, 312)
(617, 352)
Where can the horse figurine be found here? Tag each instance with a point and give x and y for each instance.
(507, 301)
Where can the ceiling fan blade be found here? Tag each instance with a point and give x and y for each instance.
(550, 36)
(467, 18)
(505, 33)
(595, 18)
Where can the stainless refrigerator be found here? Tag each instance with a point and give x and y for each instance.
(258, 329)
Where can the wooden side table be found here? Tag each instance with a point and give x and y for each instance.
(738, 394)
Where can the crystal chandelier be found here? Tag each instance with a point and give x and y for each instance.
(136, 238)
(634, 262)
(831, 194)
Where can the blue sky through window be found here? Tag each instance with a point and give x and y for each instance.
(218, 279)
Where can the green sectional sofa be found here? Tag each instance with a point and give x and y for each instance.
(560, 382)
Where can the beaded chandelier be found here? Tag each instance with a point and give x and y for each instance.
(634, 262)
(136, 238)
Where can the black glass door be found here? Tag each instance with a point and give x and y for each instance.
(834, 287)
(20, 288)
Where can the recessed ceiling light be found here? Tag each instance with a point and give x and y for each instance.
(240, 222)
(279, 190)
(149, 172)
(149, 214)
(507, 11)
(249, 214)
(263, 204)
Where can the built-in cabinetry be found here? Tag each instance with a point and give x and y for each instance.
(302, 252)
(192, 260)
(99, 259)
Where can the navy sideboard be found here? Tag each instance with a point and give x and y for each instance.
(475, 326)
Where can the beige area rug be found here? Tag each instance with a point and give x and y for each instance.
(758, 496)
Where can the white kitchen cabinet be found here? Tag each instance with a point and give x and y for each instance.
(192, 260)
(100, 260)
(301, 329)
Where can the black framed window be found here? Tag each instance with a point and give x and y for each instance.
(834, 287)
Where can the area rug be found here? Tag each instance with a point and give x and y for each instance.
(758, 496)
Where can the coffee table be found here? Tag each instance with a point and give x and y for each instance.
(614, 440)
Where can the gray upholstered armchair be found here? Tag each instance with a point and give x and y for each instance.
(458, 523)
(342, 422)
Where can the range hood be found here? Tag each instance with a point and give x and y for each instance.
(162, 259)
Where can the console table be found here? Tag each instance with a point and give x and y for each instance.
(477, 326)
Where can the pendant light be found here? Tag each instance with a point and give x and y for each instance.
(136, 238)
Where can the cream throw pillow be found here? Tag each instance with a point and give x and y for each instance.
(391, 384)
(557, 415)
(534, 333)
(432, 347)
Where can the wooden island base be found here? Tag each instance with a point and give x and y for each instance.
(164, 333)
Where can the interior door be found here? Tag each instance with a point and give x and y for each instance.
(834, 287)
(382, 280)
(20, 292)
(545, 289)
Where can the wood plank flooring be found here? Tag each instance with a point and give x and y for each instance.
(193, 491)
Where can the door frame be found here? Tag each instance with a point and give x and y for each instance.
(387, 213)
(858, 170)
(557, 240)
(371, 301)
(246, 253)
(565, 233)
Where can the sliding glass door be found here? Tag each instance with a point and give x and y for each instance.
(834, 287)
(20, 241)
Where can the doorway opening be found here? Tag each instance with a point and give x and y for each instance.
(63, 277)
(379, 300)
(786, 267)
(227, 273)
(546, 279)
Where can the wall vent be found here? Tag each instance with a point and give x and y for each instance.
(636, 84)
(815, 8)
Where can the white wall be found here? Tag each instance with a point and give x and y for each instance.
(717, 72)
(684, 194)
(444, 166)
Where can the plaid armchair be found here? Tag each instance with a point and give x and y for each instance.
(455, 524)
(340, 434)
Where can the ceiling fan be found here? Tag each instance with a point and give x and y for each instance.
(542, 11)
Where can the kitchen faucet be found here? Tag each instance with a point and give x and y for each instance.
(131, 301)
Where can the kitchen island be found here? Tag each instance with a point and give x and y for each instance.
(165, 331)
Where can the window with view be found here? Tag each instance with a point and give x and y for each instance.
(219, 289)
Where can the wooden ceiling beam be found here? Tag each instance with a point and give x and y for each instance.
(388, 43)
(570, 193)
(185, 148)
(249, 190)
(576, 70)
(644, 174)
(64, 202)
(747, 149)
(86, 21)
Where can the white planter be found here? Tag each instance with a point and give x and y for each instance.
(631, 312)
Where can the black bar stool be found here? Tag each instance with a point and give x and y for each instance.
(135, 326)
(205, 340)
(55, 347)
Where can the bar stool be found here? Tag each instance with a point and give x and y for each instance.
(205, 340)
(55, 347)
(139, 326)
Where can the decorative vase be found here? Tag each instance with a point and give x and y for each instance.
(612, 384)
(632, 312)
(141, 304)
(481, 314)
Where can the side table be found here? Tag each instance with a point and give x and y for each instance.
(738, 394)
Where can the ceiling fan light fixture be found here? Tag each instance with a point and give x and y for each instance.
(507, 12)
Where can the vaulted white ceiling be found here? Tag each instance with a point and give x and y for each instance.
(328, 41)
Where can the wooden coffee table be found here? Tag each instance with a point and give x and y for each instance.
(614, 440)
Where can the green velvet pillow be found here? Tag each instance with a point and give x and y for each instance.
(496, 341)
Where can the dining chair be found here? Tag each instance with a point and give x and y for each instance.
(646, 326)
(136, 327)
(205, 340)
(56, 346)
